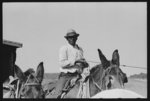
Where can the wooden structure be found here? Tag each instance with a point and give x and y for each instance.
(8, 58)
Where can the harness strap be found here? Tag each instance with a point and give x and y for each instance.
(28, 84)
(86, 92)
(79, 92)
(17, 91)
(97, 85)
(83, 91)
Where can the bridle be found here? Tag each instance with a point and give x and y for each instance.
(104, 74)
(32, 84)
(36, 83)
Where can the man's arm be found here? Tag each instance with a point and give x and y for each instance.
(63, 58)
(82, 60)
(70, 67)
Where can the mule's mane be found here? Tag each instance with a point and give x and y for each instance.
(95, 68)
(29, 71)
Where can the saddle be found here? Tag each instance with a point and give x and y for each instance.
(71, 83)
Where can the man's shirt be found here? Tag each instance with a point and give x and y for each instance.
(68, 55)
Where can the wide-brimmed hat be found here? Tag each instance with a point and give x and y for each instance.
(71, 33)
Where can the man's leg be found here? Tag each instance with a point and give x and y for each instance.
(59, 86)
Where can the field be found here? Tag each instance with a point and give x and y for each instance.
(137, 85)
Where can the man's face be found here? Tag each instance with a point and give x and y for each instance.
(72, 40)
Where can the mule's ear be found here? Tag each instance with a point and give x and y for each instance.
(115, 58)
(40, 72)
(19, 73)
(103, 59)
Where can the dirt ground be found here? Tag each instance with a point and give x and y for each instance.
(138, 86)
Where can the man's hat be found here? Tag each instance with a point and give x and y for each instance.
(71, 33)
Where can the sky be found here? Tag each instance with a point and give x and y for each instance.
(41, 28)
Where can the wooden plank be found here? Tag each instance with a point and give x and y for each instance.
(11, 43)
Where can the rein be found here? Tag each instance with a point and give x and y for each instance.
(17, 91)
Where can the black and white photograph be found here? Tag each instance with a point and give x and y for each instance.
(82, 50)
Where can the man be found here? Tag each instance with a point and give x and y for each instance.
(71, 61)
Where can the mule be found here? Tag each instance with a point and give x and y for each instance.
(106, 75)
(31, 86)
(11, 85)
(30, 83)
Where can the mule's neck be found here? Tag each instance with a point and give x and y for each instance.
(95, 82)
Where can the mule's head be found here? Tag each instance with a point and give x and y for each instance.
(113, 75)
(31, 84)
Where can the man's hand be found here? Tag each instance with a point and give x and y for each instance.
(79, 70)
(85, 73)
(82, 63)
